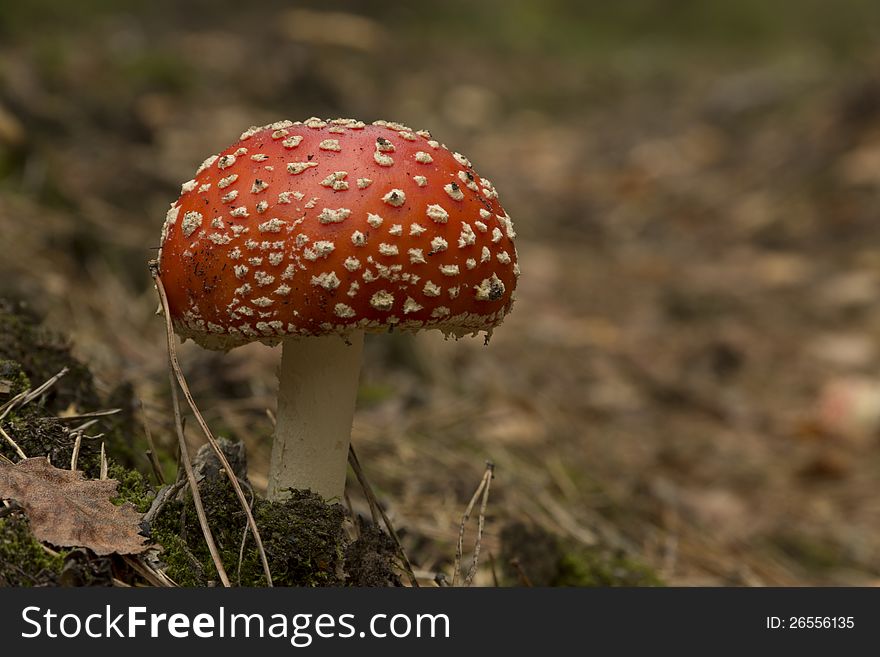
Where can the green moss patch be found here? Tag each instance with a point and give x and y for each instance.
(533, 556)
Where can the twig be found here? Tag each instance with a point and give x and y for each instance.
(84, 425)
(487, 476)
(26, 396)
(76, 445)
(151, 452)
(354, 521)
(494, 571)
(153, 576)
(193, 485)
(14, 445)
(165, 493)
(371, 500)
(517, 566)
(181, 380)
(481, 521)
(43, 387)
(243, 539)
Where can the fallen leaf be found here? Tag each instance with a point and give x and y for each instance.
(66, 509)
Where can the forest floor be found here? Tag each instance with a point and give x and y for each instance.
(689, 376)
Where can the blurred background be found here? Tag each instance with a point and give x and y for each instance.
(689, 379)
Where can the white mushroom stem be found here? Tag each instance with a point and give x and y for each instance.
(318, 385)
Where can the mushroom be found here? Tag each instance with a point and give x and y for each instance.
(311, 233)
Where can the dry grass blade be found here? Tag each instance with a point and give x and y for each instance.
(153, 576)
(374, 508)
(181, 380)
(482, 489)
(43, 387)
(103, 463)
(27, 396)
(83, 416)
(481, 522)
(193, 485)
(76, 446)
(14, 445)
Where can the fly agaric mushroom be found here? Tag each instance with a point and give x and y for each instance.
(311, 233)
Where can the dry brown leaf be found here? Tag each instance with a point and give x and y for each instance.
(67, 510)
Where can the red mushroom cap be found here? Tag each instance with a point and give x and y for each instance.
(316, 227)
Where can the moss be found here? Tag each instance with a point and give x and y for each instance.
(369, 560)
(303, 538)
(23, 561)
(815, 554)
(547, 560)
(133, 487)
(13, 379)
(30, 355)
(594, 567)
(42, 354)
